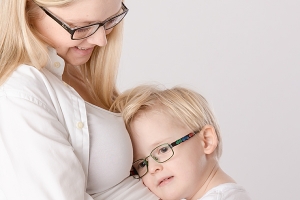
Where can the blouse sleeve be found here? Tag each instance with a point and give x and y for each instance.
(37, 160)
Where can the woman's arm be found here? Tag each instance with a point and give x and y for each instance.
(36, 159)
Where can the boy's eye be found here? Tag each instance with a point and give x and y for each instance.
(142, 164)
(164, 149)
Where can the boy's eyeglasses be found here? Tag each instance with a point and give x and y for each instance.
(160, 154)
(86, 31)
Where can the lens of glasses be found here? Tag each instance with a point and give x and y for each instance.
(114, 21)
(87, 31)
(141, 167)
(162, 153)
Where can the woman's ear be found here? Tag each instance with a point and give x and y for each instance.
(209, 139)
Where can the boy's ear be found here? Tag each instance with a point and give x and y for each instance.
(209, 139)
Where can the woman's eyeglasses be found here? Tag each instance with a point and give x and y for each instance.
(86, 31)
(160, 154)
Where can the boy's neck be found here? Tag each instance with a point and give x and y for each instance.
(215, 178)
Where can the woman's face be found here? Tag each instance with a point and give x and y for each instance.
(78, 13)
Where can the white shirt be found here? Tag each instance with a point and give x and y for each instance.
(226, 191)
(44, 138)
(111, 152)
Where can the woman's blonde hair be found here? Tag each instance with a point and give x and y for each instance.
(20, 44)
(184, 105)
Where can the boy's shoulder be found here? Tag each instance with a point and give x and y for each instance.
(226, 191)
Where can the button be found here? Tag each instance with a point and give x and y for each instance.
(79, 125)
(56, 64)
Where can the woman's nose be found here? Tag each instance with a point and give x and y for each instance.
(98, 38)
(154, 166)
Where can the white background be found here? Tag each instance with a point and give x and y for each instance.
(244, 57)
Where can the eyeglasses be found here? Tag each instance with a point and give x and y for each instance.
(160, 154)
(86, 31)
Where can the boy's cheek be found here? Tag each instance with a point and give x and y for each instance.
(147, 183)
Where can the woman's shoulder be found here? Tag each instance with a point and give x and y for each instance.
(27, 83)
(27, 79)
(23, 75)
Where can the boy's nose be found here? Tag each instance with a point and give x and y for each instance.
(154, 166)
(98, 38)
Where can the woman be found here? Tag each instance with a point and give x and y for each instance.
(58, 65)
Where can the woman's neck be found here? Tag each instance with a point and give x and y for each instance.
(73, 77)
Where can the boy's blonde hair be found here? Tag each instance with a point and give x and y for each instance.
(20, 43)
(184, 105)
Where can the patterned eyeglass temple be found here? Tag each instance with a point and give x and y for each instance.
(183, 139)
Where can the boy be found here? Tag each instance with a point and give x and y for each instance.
(176, 143)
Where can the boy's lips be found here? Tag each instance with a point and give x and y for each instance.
(163, 181)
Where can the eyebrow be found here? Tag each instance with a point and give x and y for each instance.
(156, 144)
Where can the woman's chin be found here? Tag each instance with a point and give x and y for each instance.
(77, 62)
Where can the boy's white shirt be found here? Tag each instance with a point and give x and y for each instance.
(226, 191)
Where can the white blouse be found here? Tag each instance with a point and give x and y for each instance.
(111, 159)
(44, 136)
(110, 149)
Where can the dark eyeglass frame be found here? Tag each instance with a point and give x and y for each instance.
(133, 171)
(73, 30)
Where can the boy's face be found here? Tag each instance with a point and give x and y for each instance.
(184, 174)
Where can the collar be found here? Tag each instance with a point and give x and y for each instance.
(55, 63)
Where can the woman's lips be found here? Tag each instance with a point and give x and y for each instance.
(83, 51)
